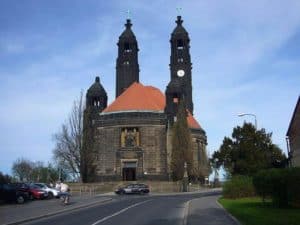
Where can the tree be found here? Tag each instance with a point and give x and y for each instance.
(26, 170)
(5, 178)
(248, 151)
(44, 174)
(71, 151)
(69, 140)
(181, 145)
(22, 169)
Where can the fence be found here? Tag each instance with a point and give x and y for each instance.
(155, 186)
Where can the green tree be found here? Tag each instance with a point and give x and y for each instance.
(248, 151)
(181, 144)
(45, 174)
(27, 170)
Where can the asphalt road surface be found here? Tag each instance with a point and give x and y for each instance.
(147, 210)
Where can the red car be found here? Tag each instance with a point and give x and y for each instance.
(37, 193)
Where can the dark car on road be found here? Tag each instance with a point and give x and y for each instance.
(133, 189)
(11, 193)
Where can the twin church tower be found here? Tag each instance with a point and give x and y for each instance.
(131, 139)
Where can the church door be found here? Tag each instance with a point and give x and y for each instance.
(129, 171)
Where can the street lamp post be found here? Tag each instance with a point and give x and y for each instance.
(185, 179)
(249, 114)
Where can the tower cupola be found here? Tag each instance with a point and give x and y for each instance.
(96, 97)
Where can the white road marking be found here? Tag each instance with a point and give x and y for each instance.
(119, 212)
(186, 212)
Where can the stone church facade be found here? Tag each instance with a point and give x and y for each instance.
(293, 137)
(132, 136)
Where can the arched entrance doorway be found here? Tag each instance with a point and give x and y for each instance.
(129, 171)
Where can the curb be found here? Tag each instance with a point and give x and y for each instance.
(57, 212)
(228, 213)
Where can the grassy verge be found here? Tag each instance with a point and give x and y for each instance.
(251, 211)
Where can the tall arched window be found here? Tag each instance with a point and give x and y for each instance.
(127, 47)
(180, 44)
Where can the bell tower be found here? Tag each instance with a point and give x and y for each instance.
(180, 85)
(127, 69)
(96, 97)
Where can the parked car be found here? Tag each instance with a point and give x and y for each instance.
(133, 189)
(52, 192)
(23, 187)
(11, 193)
(37, 193)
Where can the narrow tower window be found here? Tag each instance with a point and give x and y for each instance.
(180, 44)
(180, 60)
(127, 47)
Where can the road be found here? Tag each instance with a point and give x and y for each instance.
(147, 210)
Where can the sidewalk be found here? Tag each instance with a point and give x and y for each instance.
(211, 190)
(206, 211)
(15, 214)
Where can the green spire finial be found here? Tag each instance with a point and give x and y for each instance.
(128, 14)
(179, 9)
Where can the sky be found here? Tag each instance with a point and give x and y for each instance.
(245, 55)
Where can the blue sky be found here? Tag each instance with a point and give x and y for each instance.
(245, 55)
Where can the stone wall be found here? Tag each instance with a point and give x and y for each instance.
(294, 140)
(149, 152)
(294, 135)
(105, 187)
(200, 156)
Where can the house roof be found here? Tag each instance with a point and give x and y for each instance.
(138, 97)
(295, 115)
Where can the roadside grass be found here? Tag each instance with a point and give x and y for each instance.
(251, 211)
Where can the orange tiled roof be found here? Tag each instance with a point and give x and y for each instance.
(138, 97)
(192, 122)
(144, 98)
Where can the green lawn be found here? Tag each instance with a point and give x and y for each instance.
(251, 211)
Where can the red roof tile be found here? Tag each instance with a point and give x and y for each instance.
(192, 122)
(143, 98)
(138, 97)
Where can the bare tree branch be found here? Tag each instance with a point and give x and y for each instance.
(69, 139)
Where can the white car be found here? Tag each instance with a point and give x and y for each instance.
(52, 192)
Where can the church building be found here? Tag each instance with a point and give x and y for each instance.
(132, 135)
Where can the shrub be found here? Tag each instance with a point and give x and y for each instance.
(238, 187)
(281, 185)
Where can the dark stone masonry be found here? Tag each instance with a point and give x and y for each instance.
(132, 136)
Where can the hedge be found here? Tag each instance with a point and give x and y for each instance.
(238, 187)
(281, 185)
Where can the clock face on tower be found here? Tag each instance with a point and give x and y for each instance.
(180, 73)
